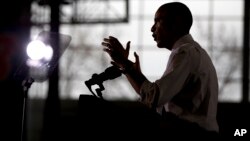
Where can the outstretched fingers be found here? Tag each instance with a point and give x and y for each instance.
(136, 58)
(137, 61)
(107, 47)
(127, 49)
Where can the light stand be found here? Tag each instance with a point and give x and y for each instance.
(41, 62)
(26, 85)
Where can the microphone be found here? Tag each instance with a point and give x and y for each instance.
(110, 73)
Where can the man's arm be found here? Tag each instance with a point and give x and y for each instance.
(119, 57)
(134, 74)
(148, 91)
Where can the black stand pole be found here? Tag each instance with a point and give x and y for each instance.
(26, 85)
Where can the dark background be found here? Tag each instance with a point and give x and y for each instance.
(15, 15)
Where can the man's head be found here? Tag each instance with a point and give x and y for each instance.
(172, 21)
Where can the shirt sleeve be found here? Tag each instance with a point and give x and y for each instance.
(149, 94)
(165, 88)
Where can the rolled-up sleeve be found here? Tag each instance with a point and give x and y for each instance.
(149, 93)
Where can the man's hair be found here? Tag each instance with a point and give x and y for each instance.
(178, 10)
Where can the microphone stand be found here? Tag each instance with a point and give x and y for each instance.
(98, 90)
(26, 85)
(110, 73)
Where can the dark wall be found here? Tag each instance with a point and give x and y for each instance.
(11, 110)
(14, 34)
(14, 13)
(232, 116)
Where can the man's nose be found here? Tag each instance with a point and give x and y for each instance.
(153, 28)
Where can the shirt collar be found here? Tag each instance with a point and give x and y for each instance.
(183, 40)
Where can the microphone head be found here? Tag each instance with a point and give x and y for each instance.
(109, 74)
(113, 72)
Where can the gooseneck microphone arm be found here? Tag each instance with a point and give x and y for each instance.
(110, 73)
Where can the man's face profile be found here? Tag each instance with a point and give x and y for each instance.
(162, 32)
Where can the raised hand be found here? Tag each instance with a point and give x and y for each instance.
(116, 51)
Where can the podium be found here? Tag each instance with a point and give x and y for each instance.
(97, 116)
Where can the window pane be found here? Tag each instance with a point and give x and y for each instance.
(228, 33)
(153, 62)
(198, 7)
(228, 8)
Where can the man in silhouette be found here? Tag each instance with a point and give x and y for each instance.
(186, 95)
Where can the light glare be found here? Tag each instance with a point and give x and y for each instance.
(48, 53)
(37, 50)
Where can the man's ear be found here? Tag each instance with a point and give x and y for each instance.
(179, 26)
(178, 23)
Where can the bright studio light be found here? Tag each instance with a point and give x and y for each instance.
(40, 56)
(37, 50)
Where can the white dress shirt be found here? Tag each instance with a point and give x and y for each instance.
(188, 87)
